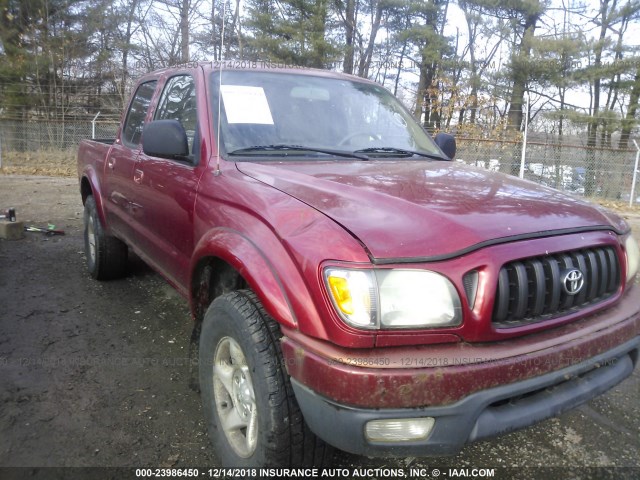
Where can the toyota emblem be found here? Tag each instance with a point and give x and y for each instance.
(573, 281)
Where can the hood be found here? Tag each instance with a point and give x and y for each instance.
(427, 209)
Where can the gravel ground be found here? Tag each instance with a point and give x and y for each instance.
(96, 374)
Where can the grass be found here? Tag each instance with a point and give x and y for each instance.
(618, 206)
(51, 162)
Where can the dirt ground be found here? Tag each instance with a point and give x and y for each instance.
(96, 374)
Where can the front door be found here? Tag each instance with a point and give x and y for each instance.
(167, 187)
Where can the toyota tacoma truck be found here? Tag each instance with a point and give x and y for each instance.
(351, 285)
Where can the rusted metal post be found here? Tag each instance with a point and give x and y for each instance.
(635, 174)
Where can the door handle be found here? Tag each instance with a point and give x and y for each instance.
(111, 163)
(138, 175)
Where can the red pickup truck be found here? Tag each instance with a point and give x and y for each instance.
(351, 285)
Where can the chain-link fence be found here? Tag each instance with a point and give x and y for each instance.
(592, 172)
(47, 147)
(30, 136)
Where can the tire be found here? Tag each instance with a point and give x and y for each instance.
(251, 412)
(106, 255)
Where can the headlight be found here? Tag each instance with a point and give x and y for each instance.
(354, 295)
(416, 298)
(633, 257)
(393, 298)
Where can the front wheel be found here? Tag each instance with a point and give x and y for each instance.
(251, 412)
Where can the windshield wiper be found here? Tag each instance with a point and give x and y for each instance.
(280, 147)
(400, 151)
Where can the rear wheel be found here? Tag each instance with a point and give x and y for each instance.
(106, 255)
(251, 412)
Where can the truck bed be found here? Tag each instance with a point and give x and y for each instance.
(93, 153)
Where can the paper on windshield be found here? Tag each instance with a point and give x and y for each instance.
(246, 104)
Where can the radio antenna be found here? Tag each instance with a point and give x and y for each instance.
(218, 141)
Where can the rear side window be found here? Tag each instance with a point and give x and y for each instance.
(134, 122)
(178, 102)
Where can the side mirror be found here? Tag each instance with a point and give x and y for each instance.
(447, 144)
(165, 139)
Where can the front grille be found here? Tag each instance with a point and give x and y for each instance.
(533, 289)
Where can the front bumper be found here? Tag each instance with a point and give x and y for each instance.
(482, 414)
(472, 390)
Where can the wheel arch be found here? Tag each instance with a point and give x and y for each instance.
(226, 260)
(90, 186)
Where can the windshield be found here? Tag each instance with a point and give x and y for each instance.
(284, 114)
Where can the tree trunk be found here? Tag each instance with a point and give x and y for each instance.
(184, 31)
(475, 78)
(420, 96)
(520, 75)
(126, 47)
(213, 30)
(590, 187)
(365, 61)
(403, 52)
(630, 119)
(349, 32)
(429, 99)
(237, 29)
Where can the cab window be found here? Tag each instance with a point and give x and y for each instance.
(133, 124)
(178, 102)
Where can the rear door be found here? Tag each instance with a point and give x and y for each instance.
(167, 187)
(120, 184)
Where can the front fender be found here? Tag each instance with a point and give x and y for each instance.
(253, 265)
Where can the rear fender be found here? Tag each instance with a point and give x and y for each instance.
(90, 176)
